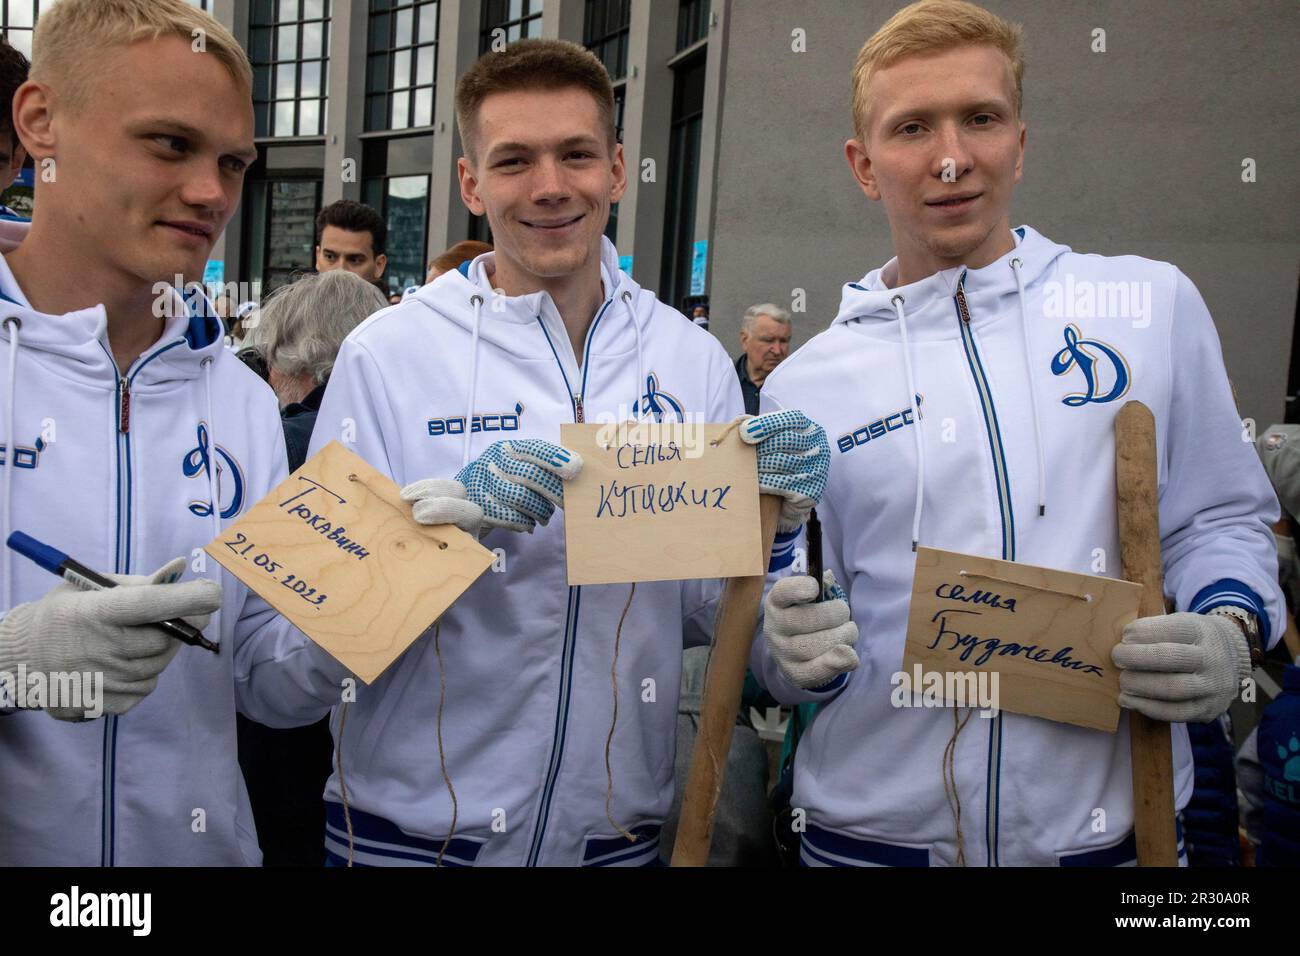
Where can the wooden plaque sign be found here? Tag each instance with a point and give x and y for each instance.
(660, 502)
(335, 550)
(1047, 634)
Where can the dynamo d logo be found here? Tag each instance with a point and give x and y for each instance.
(657, 403)
(1106, 374)
(197, 463)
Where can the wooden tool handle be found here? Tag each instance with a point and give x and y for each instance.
(733, 635)
(1139, 536)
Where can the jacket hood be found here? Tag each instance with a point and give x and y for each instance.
(923, 310)
(452, 295)
(78, 341)
(870, 301)
(524, 326)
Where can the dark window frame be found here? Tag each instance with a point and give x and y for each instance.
(685, 147)
(692, 22)
(263, 17)
(269, 183)
(381, 182)
(495, 15)
(387, 55)
(607, 24)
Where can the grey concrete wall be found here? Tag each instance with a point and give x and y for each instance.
(1136, 150)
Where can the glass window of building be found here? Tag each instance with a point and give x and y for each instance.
(509, 20)
(403, 201)
(606, 26)
(18, 17)
(397, 185)
(692, 22)
(282, 229)
(402, 63)
(683, 178)
(288, 44)
(605, 33)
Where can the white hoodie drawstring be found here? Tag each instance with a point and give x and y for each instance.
(477, 301)
(13, 324)
(897, 302)
(214, 482)
(1016, 263)
(626, 297)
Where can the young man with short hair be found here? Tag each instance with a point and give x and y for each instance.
(134, 437)
(352, 236)
(13, 74)
(460, 391)
(1000, 444)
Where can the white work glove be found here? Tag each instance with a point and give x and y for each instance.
(1181, 668)
(810, 640)
(107, 632)
(514, 484)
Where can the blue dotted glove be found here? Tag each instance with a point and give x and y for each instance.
(794, 460)
(513, 484)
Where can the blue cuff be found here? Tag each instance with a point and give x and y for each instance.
(837, 684)
(783, 550)
(1229, 592)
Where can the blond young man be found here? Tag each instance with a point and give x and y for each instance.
(114, 455)
(965, 415)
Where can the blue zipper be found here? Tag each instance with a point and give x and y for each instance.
(570, 617)
(994, 767)
(121, 565)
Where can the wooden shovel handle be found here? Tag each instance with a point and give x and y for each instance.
(1139, 536)
(734, 634)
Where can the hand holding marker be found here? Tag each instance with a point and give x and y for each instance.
(77, 574)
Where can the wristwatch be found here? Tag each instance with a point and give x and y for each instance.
(1249, 626)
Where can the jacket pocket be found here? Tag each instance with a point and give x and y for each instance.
(618, 850)
(822, 847)
(375, 841)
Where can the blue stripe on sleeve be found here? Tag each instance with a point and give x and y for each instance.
(1228, 592)
(783, 550)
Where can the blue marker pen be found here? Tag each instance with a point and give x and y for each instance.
(77, 574)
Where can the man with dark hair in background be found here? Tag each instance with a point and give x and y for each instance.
(352, 236)
(13, 74)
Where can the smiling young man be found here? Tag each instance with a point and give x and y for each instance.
(460, 391)
(114, 454)
(967, 412)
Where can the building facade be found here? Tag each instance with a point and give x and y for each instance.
(1148, 145)
(355, 99)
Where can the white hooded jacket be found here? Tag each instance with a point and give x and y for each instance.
(974, 411)
(115, 470)
(526, 659)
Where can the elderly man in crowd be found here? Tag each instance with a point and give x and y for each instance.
(765, 338)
